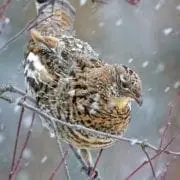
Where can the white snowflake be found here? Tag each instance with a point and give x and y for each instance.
(119, 22)
(130, 60)
(83, 2)
(101, 24)
(167, 89)
(27, 154)
(167, 31)
(145, 64)
(6, 20)
(177, 84)
(159, 4)
(2, 138)
(160, 68)
(44, 159)
(27, 121)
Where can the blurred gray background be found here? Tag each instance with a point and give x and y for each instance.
(145, 37)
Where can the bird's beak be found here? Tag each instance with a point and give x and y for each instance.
(139, 100)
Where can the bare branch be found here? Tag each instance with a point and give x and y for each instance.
(95, 165)
(16, 141)
(4, 7)
(58, 167)
(149, 160)
(61, 150)
(154, 157)
(28, 26)
(25, 144)
(13, 89)
(78, 127)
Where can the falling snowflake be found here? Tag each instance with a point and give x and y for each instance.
(167, 31)
(83, 2)
(44, 159)
(2, 138)
(159, 4)
(101, 24)
(150, 89)
(177, 84)
(6, 20)
(160, 68)
(27, 154)
(145, 64)
(166, 89)
(27, 121)
(119, 22)
(130, 60)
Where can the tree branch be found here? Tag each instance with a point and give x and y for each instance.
(149, 160)
(81, 127)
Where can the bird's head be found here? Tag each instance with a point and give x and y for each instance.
(128, 84)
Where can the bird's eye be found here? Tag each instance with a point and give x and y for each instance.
(124, 84)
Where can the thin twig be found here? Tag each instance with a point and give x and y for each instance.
(152, 158)
(61, 149)
(13, 89)
(149, 160)
(93, 131)
(85, 167)
(163, 135)
(4, 7)
(25, 144)
(164, 132)
(95, 165)
(58, 167)
(15, 37)
(79, 157)
(28, 26)
(16, 141)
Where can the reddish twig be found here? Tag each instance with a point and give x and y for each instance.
(58, 167)
(169, 121)
(25, 144)
(152, 158)
(4, 7)
(4, 22)
(16, 142)
(133, 2)
(95, 165)
(162, 175)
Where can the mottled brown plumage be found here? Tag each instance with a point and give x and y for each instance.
(71, 83)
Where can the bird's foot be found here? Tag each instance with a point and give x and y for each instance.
(91, 173)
